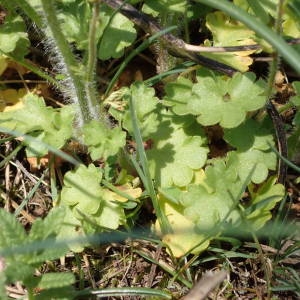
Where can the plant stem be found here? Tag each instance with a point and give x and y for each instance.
(91, 64)
(74, 89)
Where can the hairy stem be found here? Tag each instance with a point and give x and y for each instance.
(90, 87)
(75, 89)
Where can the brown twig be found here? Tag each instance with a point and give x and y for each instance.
(208, 282)
(196, 48)
(281, 140)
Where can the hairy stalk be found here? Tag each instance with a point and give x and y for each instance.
(75, 88)
(90, 88)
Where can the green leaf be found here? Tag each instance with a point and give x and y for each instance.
(203, 208)
(296, 99)
(252, 141)
(3, 281)
(19, 270)
(195, 213)
(102, 141)
(263, 9)
(157, 7)
(228, 32)
(75, 16)
(146, 105)
(89, 203)
(288, 53)
(266, 11)
(61, 128)
(185, 236)
(52, 126)
(226, 101)
(178, 149)
(71, 228)
(118, 33)
(63, 293)
(13, 36)
(215, 197)
(216, 99)
(82, 189)
(111, 214)
(45, 228)
(178, 95)
(263, 200)
(221, 177)
(56, 280)
(12, 232)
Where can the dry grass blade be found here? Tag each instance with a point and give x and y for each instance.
(208, 282)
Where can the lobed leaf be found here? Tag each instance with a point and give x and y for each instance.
(252, 141)
(185, 236)
(179, 148)
(103, 142)
(82, 189)
(71, 228)
(13, 37)
(263, 200)
(228, 32)
(217, 99)
(90, 204)
(75, 15)
(118, 32)
(52, 126)
(146, 105)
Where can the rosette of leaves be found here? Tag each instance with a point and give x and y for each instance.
(252, 141)
(217, 99)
